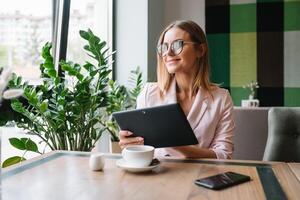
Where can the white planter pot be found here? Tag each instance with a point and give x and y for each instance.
(114, 147)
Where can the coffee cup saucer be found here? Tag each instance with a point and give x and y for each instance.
(123, 165)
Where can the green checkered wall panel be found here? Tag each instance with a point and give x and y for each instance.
(291, 16)
(242, 58)
(256, 41)
(242, 18)
(219, 47)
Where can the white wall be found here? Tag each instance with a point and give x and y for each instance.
(130, 37)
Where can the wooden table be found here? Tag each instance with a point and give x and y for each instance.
(66, 175)
(295, 167)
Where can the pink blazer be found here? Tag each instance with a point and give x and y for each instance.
(211, 118)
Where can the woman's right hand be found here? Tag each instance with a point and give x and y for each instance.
(125, 140)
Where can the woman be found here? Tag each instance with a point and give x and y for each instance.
(183, 77)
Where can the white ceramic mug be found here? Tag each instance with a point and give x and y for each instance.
(138, 155)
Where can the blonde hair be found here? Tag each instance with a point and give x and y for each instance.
(201, 79)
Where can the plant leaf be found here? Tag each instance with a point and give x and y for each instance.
(12, 160)
(84, 34)
(30, 145)
(17, 143)
(44, 106)
(52, 73)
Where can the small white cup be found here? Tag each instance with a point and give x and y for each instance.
(138, 155)
(96, 162)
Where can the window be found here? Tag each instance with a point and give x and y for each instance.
(24, 29)
(93, 14)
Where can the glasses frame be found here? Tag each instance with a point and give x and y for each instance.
(162, 54)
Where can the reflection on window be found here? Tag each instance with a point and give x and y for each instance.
(25, 26)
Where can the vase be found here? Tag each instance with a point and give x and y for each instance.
(250, 103)
(114, 147)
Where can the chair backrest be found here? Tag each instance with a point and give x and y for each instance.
(283, 142)
(251, 132)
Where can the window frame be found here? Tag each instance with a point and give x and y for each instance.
(61, 18)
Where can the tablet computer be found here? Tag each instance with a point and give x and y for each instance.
(160, 126)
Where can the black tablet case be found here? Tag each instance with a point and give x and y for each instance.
(160, 126)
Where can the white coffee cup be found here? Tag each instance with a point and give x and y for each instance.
(138, 155)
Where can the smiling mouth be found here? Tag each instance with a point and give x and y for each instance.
(172, 61)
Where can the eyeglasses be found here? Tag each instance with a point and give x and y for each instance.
(176, 47)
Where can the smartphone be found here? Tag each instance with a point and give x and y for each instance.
(221, 181)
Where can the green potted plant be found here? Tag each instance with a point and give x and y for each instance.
(71, 115)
